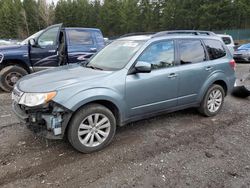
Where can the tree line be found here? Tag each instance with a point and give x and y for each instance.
(21, 18)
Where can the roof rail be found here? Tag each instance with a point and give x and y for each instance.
(137, 33)
(183, 32)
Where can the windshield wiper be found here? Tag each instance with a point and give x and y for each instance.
(93, 67)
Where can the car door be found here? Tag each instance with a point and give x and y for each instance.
(44, 53)
(81, 44)
(157, 90)
(193, 69)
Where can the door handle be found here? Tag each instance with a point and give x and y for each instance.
(209, 68)
(172, 75)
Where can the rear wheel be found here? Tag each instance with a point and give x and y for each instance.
(92, 128)
(212, 101)
(10, 75)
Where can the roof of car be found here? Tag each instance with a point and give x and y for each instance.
(82, 28)
(148, 37)
(170, 34)
(137, 37)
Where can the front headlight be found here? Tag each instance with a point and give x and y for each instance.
(36, 99)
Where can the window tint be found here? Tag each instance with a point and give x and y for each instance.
(159, 55)
(226, 40)
(215, 49)
(49, 37)
(79, 37)
(191, 51)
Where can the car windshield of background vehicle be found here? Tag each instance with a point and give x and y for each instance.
(116, 55)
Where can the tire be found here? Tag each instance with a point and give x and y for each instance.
(207, 109)
(80, 128)
(9, 76)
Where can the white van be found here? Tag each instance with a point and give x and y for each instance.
(229, 42)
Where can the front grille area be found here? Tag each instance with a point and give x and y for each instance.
(1, 58)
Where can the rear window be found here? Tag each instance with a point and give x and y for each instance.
(226, 40)
(215, 49)
(191, 51)
(79, 37)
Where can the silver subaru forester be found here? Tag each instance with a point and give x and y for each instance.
(132, 78)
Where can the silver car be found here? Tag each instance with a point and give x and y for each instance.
(133, 78)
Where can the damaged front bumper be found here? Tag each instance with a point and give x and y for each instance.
(49, 120)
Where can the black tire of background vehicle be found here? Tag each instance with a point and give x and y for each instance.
(203, 109)
(7, 70)
(79, 116)
(241, 91)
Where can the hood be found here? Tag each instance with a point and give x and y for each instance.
(59, 78)
(9, 47)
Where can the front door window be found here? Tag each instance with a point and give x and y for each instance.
(49, 37)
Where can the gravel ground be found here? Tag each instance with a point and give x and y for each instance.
(181, 149)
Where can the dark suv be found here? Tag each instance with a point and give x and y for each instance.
(133, 78)
(48, 48)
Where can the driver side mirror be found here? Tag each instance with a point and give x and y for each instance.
(142, 67)
(32, 42)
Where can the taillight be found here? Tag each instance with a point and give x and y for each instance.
(233, 64)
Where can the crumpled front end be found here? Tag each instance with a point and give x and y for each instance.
(49, 120)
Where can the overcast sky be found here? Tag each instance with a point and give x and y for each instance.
(50, 1)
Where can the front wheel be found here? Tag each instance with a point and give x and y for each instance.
(92, 128)
(10, 75)
(212, 101)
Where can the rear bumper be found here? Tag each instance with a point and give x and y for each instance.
(49, 122)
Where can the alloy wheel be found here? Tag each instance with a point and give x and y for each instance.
(214, 100)
(94, 130)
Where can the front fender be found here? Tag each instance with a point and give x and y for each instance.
(90, 95)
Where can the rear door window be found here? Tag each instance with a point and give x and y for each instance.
(79, 37)
(226, 40)
(215, 49)
(191, 51)
(99, 38)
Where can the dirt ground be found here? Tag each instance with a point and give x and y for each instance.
(181, 149)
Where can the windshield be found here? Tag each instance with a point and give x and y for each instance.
(31, 37)
(244, 47)
(116, 55)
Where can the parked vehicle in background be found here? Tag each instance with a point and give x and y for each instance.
(229, 42)
(48, 48)
(242, 86)
(242, 54)
(132, 78)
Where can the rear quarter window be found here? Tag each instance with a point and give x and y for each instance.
(215, 49)
(79, 37)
